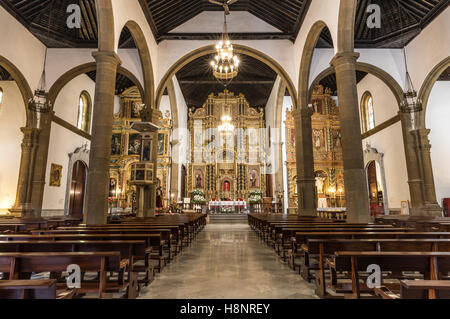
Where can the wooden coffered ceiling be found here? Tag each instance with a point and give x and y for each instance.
(402, 20)
(255, 80)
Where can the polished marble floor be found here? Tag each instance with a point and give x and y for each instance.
(228, 261)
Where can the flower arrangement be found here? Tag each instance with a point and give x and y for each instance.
(198, 197)
(255, 197)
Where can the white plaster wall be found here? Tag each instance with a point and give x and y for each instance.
(438, 115)
(124, 11)
(429, 48)
(384, 102)
(237, 22)
(62, 143)
(21, 48)
(12, 118)
(389, 141)
(165, 105)
(67, 102)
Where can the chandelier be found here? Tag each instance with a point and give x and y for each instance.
(225, 64)
(411, 103)
(39, 102)
(227, 125)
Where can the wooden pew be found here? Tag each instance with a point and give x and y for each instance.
(165, 235)
(152, 240)
(430, 264)
(320, 249)
(303, 237)
(16, 264)
(132, 250)
(32, 289)
(420, 289)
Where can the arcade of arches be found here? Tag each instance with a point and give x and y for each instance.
(137, 126)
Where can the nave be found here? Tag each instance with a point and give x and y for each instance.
(228, 261)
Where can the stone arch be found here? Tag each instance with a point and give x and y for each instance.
(427, 87)
(346, 26)
(368, 68)
(306, 61)
(24, 88)
(173, 103)
(84, 68)
(238, 48)
(105, 22)
(146, 61)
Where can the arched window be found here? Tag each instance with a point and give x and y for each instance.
(367, 112)
(84, 112)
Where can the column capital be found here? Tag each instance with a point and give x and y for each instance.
(104, 56)
(344, 57)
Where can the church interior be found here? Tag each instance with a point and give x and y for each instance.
(224, 149)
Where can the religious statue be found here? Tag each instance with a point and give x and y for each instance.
(198, 181)
(159, 195)
(338, 141)
(320, 181)
(317, 139)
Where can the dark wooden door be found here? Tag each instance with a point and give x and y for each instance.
(375, 194)
(77, 189)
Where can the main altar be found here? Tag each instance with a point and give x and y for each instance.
(227, 156)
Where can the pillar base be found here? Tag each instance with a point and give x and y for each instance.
(427, 210)
(306, 212)
(25, 211)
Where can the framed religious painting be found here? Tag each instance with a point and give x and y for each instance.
(116, 144)
(198, 177)
(253, 177)
(404, 208)
(163, 144)
(55, 175)
(134, 144)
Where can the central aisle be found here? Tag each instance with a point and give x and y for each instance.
(227, 261)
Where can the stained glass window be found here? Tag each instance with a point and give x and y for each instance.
(367, 113)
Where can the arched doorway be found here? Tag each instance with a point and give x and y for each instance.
(376, 194)
(77, 189)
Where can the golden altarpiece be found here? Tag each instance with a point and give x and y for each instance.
(327, 148)
(227, 150)
(126, 149)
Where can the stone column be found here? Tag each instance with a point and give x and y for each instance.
(174, 171)
(22, 206)
(307, 201)
(40, 164)
(356, 188)
(152, 115)
(96, 202)
(422, 148)
(415, 181)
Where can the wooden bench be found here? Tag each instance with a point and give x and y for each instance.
(420, 289)
(32, 289)
(430, 264)
(152, 240)
(133, 250)
(320, 249)
(301, 238)
(17, 264)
